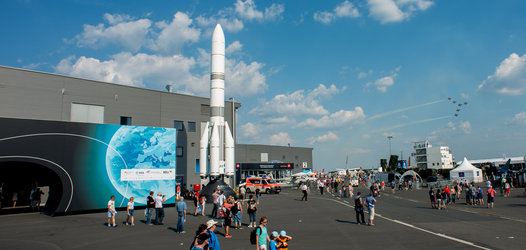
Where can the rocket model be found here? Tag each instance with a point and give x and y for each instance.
(216, 140)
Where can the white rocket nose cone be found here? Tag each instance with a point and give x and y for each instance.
(218, 40)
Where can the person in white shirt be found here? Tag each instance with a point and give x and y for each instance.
(305, 192)
(159, 210)
(111, 211)
(130, 210)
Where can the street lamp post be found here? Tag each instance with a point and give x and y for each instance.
(389, 137)
(234, 132)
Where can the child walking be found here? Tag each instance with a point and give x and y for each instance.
(130, 210)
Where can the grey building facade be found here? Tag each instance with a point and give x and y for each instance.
(43, 96)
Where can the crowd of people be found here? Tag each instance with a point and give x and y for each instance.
(440, 198)
(226, 212)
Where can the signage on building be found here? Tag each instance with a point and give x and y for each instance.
(305, 165)
(252, 166)
(147, 174)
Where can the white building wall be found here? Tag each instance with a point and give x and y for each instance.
(439, 158)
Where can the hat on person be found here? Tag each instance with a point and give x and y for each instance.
(283, 233)
(210, 223)
(275, 234)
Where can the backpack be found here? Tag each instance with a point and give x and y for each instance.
(235, 208)
(254, 234)
(252, 206)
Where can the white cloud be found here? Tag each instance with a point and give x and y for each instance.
(244, 79)
(382, 84)
(138, 70)
(247, 10)
(465, 127)
(280, 139)
(230, 24)
(249, 130)
(174, 34)
(122, 30)
(344, 9)
(298, 103)
(330, 136)
(520, 118)
(387, 11)
(234, 47)
(334, 120)
(509, 77)
(155, 71)
(364, 74)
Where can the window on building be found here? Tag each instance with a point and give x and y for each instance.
(264, 157)
(126, 120)
(87, 113)
(179, 151)
(179, 125)
(191, 126)
(205, 109)
(283, 157)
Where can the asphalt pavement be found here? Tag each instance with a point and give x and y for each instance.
(404, 220)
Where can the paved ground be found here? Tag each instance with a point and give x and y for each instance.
(404, 221)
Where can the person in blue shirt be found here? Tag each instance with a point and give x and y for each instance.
(272, 245)
(370, 201)
(181, 212)
(213, 243)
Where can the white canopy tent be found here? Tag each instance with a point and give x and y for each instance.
(412, 173)
(466, 172)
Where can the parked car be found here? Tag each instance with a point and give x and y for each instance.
(265, 185)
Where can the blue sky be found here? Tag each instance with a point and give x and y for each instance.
(338, 76)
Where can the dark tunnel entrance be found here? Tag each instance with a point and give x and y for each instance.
(17, 182)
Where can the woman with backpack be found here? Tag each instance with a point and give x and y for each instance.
(237, 211)
(252, 207)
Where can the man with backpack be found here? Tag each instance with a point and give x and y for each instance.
(358, 208)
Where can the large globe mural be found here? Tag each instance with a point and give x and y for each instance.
(133, 147)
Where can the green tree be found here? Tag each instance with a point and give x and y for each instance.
(392, 162)
(383, 164)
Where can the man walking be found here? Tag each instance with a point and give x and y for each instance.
(370, 201)
(491, 196)
(213, 243)
(358, 208)
(159, 210)
(215, 197)
(181, 213)
(305, 192)
(150, 205)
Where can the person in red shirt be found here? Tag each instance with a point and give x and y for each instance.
(491, 196)
(448, 194)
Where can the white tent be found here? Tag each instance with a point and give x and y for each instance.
(466, 172)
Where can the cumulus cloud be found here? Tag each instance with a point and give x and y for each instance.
(382, 84)
(228, 23)
(387, 11)
(234, 47)
(156, 71)
(330, 136)
(519, 118)
(247, 10)
(122, 30)
(280, 139)
(335, 120)
(465, 127)
(249, 130)
(137, 70)
(509, 77)
(174, 34)
(298, 103)
(344, 9)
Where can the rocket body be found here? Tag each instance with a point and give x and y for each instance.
(217, 144)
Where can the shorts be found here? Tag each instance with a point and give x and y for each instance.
(131, 212)
(263, 247)
(490, 199)
(371, 213)
(479, 196)
(111, 214)
(237, 218)
(228, 222)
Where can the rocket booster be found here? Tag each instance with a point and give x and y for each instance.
(217, 143)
